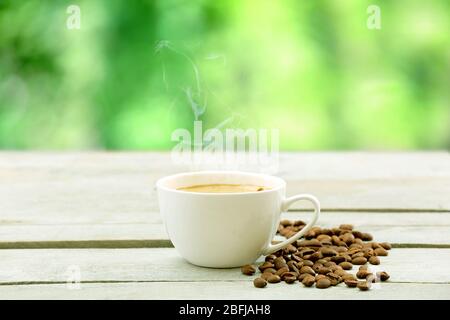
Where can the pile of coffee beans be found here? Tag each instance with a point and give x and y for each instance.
(323, 258)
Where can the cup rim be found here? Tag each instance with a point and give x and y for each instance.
(160, 182)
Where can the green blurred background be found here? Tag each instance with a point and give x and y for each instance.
(136, 69)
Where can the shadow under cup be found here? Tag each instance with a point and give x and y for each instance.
(220, 230)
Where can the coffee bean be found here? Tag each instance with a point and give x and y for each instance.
(289, 274)
(290, 279)
(364, 267)
(273, 279)
(383, 276)
(279, 259)
(316, 267)
(357, 255)
(341, 249)
(338, 259)
(248, 270)
(336, 231)
(322, 261)
(342, 244)
(346, 227)
(363, 285)
(328, 252)
(348, 238)
(335, 268)
(347, 257)
(291, 249)
(291, 234)
(286, 223)
(310, 234)
(319, 276)
(351, 283)
(266, 275)
(340, 272)
(332, 275)
(279, 263)
(359, 260)
(329, 264)
(292, 264)
(386, 245)
(368, 252)
(333, 281)
(299, 223)
(270, 258)
(270, 270)
(308, 263)
(346, 265)
(381, 252)
(306, 269)
(324, 270)
(366, 237)
(259, 283)
(363, 274)
(309, 243)
(281, 271)
(348, 276)
(354, 248)
(357, 234)
(326, 243)
(265, 265)
(302, 276)
(373, 245)
(308, 280)
(316, 256)
(323, 283)
(306, 251)
(335, 240)
(374, 260)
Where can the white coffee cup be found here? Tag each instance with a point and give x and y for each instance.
(223, 230)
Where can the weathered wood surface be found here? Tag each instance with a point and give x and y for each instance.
(162, 274)
(402, 229)
(164, 264)
(96, 187)
(235, 290)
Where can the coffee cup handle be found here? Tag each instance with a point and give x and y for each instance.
(284, 207)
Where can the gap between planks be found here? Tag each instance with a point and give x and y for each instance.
(123, 265)
(130, 244)
(414, 230)
(222, 290)
(34, 283)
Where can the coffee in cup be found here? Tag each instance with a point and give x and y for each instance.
(223, 188)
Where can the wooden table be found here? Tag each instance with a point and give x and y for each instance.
(94, 215)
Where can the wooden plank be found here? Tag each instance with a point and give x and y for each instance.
(122, 265)
(401, 229)
(99, 187)
(239, 290)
